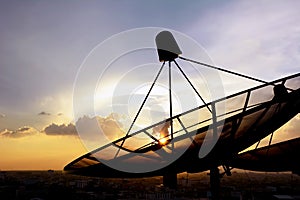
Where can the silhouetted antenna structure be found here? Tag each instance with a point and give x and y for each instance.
(239, 127)
(168, 50)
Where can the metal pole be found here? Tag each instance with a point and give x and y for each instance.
(224, 70)
(230, 72)
(188, 80)
(170, 98)
(140, 109)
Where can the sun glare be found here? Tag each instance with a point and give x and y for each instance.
(163, 141)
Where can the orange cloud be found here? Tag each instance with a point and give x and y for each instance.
(21, 132)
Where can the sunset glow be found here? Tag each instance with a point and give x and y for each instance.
(45, 44)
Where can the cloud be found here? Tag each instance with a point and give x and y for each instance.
(90, 128)
(44, 113)
(54, 129)
(2, 115)
(21, 132)
(250, 37)
(23, 129)
(99, 128)
(292, 128)
(288, 131)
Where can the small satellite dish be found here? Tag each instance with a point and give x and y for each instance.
(167, 47)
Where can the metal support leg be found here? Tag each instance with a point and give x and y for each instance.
(215, 183)
(170, 98)
(170, 180)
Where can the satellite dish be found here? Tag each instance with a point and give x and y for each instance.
(244, 125)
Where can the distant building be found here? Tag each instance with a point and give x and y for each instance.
(81, 183)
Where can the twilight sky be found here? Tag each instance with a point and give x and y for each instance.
(43, 44)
